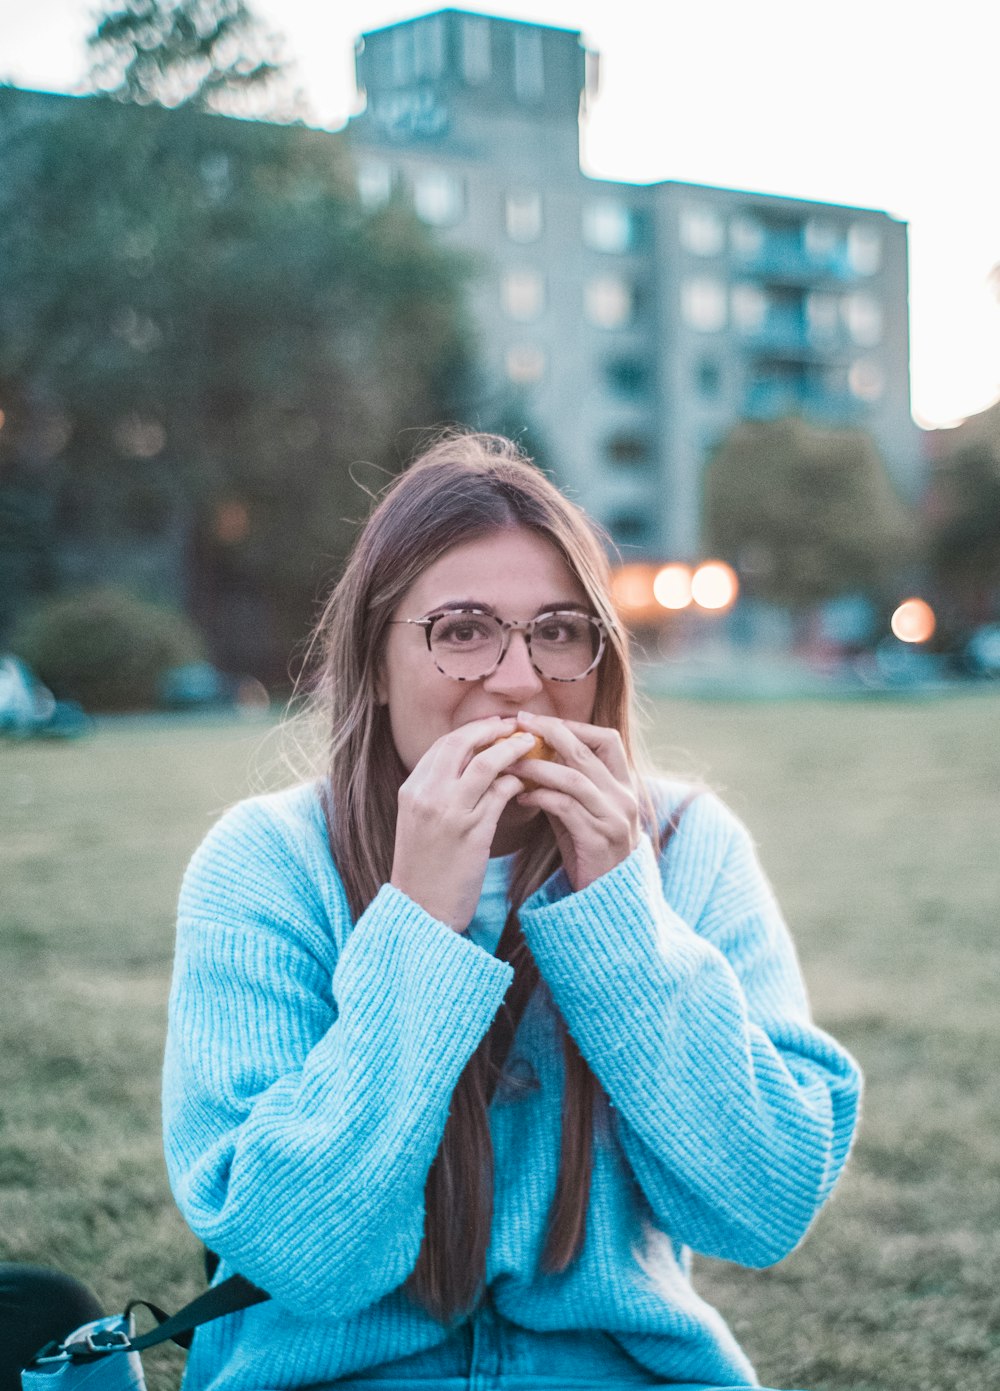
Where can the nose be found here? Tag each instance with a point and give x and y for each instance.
(515, 677)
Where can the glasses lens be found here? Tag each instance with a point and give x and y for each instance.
(565, 645)
(466, 645)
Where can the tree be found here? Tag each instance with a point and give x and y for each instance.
(201, 332)
(211, 54)
(806, 513)
(964, 516)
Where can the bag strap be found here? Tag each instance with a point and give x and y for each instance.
(228, 1297)
(225, 1298)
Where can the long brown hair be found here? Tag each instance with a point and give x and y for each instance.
(462, 487)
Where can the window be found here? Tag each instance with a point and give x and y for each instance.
(608, 301)
(822, 312)
(438, 197)
(864, 248)
(523, 295)
(529, 72)
(216, 176)
(628, 451)
(746, 236)
(701, 230)
(526, 364)
(523, 215)
(749, 307)
(609, 225)
(477, 63)
(819, 239)
(863, 317)
(374, 183)
(703, 304)
(627, 377)
(866, 380)
(428, 46)
(708, 377)
(403, 55)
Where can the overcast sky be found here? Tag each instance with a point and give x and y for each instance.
(882, 103)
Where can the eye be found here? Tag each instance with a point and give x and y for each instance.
(561, 629)
(462, 630)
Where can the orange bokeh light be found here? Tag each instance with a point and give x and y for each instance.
(632, 591)
(632, 587)
(232, 522)
(913, 621)
(672, 586)
(714, 585)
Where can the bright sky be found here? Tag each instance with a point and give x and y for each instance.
(887, 104)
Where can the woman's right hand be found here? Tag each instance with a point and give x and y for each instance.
(449, 808)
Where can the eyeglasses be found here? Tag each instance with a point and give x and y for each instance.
(469, 644)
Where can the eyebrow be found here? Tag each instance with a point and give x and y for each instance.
(573, 605)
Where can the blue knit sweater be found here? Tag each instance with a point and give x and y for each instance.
(310, 1062)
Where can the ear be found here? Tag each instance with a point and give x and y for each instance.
(381, 685)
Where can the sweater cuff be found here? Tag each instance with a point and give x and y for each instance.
(605, 930)
(397, 951)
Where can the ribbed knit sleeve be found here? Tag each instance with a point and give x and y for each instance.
(735, 1112)
(310, 1065)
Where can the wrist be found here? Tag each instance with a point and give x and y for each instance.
(430, 903)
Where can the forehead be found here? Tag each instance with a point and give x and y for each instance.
(515, 571)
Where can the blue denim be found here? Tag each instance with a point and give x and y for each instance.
(490, 1354)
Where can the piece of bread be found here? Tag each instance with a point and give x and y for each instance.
(540, 750)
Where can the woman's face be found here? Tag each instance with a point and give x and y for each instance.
(515, 573)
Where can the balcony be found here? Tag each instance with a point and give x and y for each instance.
(786, 260)
(788, 334)
(766, 400)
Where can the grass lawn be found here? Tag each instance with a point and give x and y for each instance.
(877, 821)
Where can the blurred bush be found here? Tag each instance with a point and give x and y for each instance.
(105, 648)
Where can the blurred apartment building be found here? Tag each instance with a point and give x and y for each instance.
(629, 325)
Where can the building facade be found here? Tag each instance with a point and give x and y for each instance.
(630, 326)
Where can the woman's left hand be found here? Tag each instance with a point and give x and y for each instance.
(589, 795)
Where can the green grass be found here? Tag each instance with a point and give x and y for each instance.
(877, 823)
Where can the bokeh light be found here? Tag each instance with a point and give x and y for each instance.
(232, 523)
(913, 621)
(714, 585)
(251, 696)
(632, 588)
(672, 586)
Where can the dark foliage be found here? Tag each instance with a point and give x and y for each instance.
(806, 513)
(201, 332)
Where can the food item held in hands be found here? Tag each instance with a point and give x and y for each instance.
(540, 750)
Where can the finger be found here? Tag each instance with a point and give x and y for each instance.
(606, 744)
(601, 802)
(575, 751)
(449, 755)
(485, 766)
(501, 791)
(578, 821)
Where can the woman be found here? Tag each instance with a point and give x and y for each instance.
(461, 1064)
